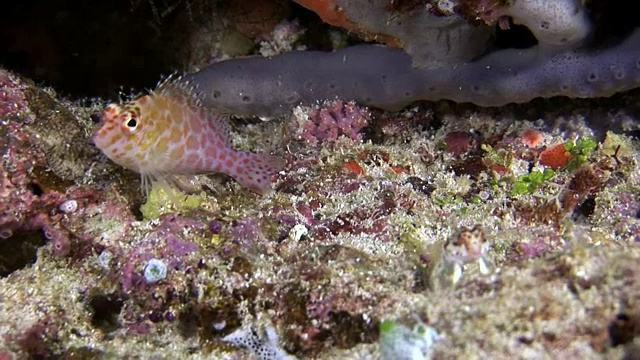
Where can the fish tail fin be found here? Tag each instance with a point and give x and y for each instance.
(255, 171)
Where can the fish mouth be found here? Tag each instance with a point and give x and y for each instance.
(99, 137)
(104, 133)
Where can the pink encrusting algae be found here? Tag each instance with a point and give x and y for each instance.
(168, 132)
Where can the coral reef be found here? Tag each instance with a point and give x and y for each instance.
(442, 230)
(37, 194)
(356, 236)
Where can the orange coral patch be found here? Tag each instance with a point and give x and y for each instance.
(554, 157)
(353, 167)
(499, 169)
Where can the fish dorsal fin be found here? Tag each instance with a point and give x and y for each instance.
(180, 89)
(176, 87)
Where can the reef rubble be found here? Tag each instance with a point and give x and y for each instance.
(440, 230)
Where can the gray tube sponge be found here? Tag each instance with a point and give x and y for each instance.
(512, 76)
(384, 77)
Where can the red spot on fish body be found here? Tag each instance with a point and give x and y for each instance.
(192, 159)
(192, 143)
(211, 153)
(210, 138)
(196, 127)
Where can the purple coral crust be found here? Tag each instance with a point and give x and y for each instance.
(12, 99)
(22, 208)
(170, 241)
(30, 196)
(325, 123)
(165, 241)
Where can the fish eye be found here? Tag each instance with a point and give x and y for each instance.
(132, 123)
(129, 123)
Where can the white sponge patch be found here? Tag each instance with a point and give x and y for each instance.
(552, 22)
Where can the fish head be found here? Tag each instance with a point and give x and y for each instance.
(121, 133)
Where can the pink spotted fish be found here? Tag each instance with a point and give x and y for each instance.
(168, 133)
